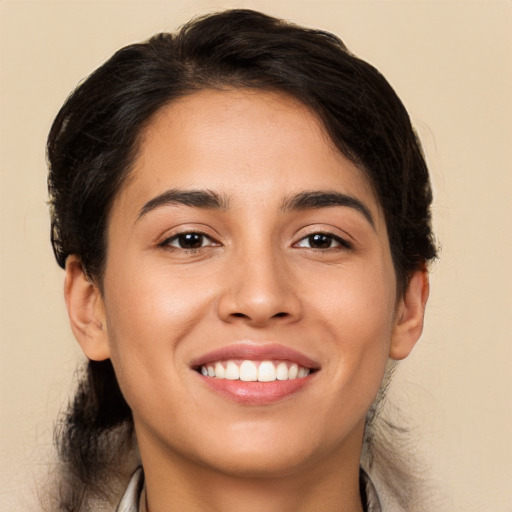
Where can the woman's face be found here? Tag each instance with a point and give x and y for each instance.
(244, 242)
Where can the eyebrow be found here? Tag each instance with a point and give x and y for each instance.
(311, 200)
(206, 199)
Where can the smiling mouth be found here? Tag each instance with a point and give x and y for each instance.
(254, 371)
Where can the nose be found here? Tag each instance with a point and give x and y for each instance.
(259, 289)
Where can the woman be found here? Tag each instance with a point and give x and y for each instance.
(243, 213)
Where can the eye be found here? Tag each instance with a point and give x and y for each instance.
(190, 241)
(322, 241)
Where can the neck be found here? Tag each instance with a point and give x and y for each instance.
(327, 485)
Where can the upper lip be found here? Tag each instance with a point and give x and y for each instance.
(256, 352)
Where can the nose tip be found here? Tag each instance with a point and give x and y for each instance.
(259, 294)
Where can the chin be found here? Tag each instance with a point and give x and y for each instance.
(266, 452)
(259, 464)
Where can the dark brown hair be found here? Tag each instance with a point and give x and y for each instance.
(94, 139)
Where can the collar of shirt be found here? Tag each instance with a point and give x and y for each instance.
(134, 497)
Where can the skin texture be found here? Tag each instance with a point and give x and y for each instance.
(256, 279)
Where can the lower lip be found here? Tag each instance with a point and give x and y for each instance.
(256, 393)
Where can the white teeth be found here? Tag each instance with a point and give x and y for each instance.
(252, 371)
(232, 371)
(282, 372)
(219, 371)
(266, 372)
(248, 371)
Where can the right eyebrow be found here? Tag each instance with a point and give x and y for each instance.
(316, 199)
(195, 198)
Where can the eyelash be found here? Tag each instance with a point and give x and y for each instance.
(168, 242)
(341, 242)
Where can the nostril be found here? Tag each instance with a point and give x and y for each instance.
(281, 314)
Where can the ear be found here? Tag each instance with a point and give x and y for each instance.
(86, 311)
(409, 316)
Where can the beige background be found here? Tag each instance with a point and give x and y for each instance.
(451, 64)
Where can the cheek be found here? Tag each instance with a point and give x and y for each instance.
(358, 317)
(144, 298)
(358, 300)
(149, 312)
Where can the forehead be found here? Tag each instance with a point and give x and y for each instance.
(241, 141)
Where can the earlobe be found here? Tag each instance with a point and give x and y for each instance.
(409, 316)
(86, 311)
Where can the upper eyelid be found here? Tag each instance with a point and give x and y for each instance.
(171, 233)
(333, 231)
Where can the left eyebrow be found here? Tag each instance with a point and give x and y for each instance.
(312, 200)
(206, 199)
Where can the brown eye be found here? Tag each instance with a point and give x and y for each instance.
(322, 241)
(189, 241)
